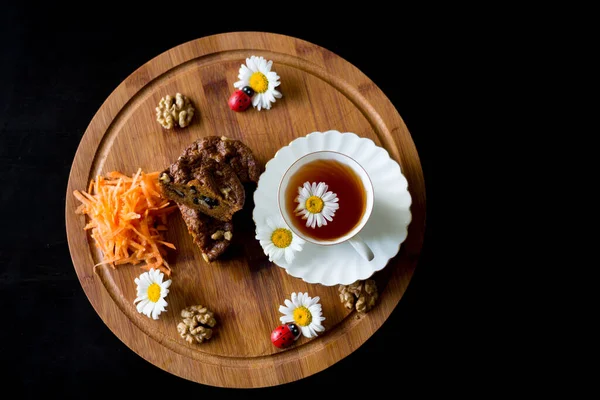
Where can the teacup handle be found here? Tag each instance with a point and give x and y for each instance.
(361, 247)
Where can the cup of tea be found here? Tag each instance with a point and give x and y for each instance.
(326, 198)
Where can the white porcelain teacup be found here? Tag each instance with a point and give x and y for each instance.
(363, 182)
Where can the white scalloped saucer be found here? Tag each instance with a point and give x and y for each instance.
(384, 232)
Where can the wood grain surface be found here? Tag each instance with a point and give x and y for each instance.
(321, 91)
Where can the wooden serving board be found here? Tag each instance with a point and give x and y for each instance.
(321, 91)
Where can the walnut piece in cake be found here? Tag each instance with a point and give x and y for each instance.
(209, 234)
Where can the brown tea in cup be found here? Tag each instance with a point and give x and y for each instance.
(326, 198)
(342, 181)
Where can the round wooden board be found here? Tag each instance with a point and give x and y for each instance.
(321, 91)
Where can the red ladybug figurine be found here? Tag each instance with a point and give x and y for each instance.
(285, 335)
(239, 101)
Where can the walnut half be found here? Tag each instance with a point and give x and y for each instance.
(177, 111)
(197, 324)
(361, 295)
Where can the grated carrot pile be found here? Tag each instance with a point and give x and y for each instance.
(127, 217)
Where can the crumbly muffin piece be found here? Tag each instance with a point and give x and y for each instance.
(205, 185)
(233, 152)
(210, 235)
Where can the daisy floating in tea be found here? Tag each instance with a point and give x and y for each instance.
(323, 199)
(316, 204)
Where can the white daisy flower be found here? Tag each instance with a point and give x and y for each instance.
(151, 293)
(277, 240)
(304, 311)
(257, 74)
(315, 204)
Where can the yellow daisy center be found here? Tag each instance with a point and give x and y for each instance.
(302, 316)
(154, 292)
(281, 237)
(314, 204)
(259, 82)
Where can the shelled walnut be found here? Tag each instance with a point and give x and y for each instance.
(177, 111)
(197, 324)
(361, 295)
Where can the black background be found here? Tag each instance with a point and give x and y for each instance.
(57, 68)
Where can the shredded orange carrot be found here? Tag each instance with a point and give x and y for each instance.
(127, 216)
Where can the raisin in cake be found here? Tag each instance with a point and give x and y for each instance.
(205, 185)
